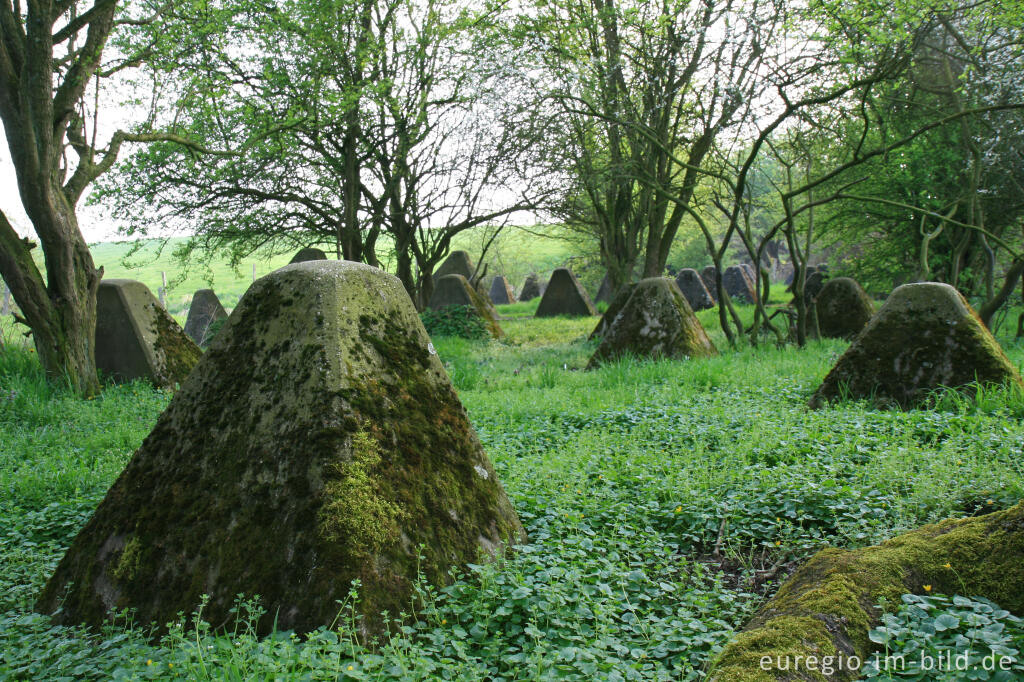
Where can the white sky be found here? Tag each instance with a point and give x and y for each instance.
(94, 225)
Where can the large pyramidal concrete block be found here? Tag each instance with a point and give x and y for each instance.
(137, 339)
(656, 322)
(924, 337)
(454, 290)
(565, 296)
(319, 441)
(708, 275)
(204, 310)
(738, 285)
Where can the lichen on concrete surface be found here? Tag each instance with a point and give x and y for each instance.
(655, 322)
(925, 337)
(318, 442)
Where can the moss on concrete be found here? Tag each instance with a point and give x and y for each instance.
(319, 441)
(830, 603)
(842, 308)
(926, 336)
(613, 310)
(655, 322)
(455, 290)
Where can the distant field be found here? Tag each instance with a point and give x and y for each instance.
(515, 253)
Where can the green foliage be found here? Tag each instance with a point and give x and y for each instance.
(936, 637)
(626, 479)
(462, 321)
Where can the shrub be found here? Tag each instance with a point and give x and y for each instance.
(455, 320)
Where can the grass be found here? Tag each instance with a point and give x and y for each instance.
(515, 253)
(653, 494)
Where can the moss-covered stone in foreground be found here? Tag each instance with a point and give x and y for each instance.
(828, 607)
(924, 337)
(319, 441)
(655, 322)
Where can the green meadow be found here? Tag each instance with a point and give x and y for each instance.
(664, 501)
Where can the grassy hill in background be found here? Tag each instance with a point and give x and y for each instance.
(515, 253)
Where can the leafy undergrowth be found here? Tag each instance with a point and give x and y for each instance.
(664, 502)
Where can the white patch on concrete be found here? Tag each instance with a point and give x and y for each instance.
(430, 349)
(481, 471)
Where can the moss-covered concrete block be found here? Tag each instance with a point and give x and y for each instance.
(455, 290)
(709, 276)
(697, 295)
(613, 310)
(924, 337)
(137, 339)
(656, 322)
(604, 291)
(565, 295)
(829, 605)
(843, 308)
(204, 310)
(318, 442)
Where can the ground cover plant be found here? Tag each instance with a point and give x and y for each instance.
(665, 501)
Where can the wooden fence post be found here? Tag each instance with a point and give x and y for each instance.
(163, 289)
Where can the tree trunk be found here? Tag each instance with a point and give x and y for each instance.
(828, 607)
(62, 312)
(995, 302)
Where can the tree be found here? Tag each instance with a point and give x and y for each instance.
(350, 121)
(630, 86)
(51, 67)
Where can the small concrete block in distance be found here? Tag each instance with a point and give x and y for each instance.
(708, 276)
(656, 322)
(454, 290)
(604, 292)
(204, 310)
(531, 288)
(319, 441)
(843, 308)
(457, 263)
(697, 295)
(738, 284)
(137, 339)
(924, 337)
(501, 292)
(308, 254)
(565, 296)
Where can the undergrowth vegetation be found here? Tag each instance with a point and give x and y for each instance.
(664, 501)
